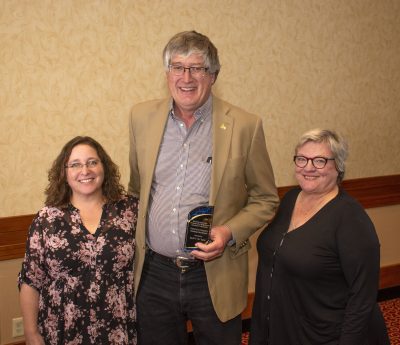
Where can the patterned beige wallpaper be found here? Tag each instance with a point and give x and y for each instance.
(71, 67)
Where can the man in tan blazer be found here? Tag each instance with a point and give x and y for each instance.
(187, 151)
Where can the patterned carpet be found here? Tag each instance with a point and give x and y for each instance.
(391, 313)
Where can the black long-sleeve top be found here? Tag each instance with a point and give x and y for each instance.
(317, 284)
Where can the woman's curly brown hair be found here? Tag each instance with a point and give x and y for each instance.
(58, 192)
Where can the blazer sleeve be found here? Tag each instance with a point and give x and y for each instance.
(262, 198)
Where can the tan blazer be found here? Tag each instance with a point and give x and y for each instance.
(242, 191)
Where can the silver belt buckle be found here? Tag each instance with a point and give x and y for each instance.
(181, 262)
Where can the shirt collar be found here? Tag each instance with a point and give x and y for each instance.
(202, 112)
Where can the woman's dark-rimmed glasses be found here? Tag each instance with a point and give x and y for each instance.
(317, 162)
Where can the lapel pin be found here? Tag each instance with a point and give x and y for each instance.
(222, 126)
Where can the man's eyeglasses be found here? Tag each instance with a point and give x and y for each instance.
(77, 166)
(317, 162)
(195, 71)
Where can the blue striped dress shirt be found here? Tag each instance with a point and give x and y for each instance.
(181, 180)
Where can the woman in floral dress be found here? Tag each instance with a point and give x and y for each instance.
(76, 282)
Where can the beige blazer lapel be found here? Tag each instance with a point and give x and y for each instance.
(222, 133)
(155, 134)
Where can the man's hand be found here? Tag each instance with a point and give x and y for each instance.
(220, 236)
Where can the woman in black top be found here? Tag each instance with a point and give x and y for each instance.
(318, 270)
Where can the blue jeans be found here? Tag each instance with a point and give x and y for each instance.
(167, 298)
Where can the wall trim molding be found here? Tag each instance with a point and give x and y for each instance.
(389, 276)
(13, 234)
(370, 192)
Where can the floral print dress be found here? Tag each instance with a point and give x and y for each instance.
(85, 281)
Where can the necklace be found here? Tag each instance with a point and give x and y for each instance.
(301, 213)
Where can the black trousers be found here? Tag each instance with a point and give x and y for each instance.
(167, 298)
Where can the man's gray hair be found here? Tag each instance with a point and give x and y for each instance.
(191, 42)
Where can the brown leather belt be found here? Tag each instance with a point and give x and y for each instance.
(182, 263)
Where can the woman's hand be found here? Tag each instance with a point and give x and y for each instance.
(29, 301)
(34, 339)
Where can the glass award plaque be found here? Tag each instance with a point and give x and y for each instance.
(198, 226)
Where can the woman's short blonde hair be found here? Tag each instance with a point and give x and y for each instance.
(337, 144)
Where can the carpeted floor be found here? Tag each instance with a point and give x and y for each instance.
(391, 313)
